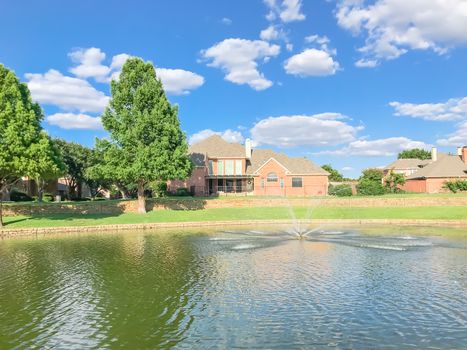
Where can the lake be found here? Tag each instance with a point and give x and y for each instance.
(251, 288)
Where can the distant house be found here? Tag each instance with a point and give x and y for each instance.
(222, 167)
(429, 176)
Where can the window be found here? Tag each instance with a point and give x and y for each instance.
(220, 167)
(238, 167)
(210, 171)
(272, 177)
(229, 167)
(296, 182)
(282, 183)
(262, 183)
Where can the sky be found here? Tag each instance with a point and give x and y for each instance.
(349, 83)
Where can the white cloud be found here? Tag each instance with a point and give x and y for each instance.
(321, 40)
(453, 109)
(311, 62)
(65, 92)
(238, 58)
(347, 168)
(270, 33)
(377, 148)
(226, 21)
(71, 121)
(179, 81)
(90, 64)
(228, 135)
(299, 130)
(457, 138)
(364, 63)
(392, 27)
(286, 10)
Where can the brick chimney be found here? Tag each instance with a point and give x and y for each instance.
(248, 148)
(464, 154)
(434, 154)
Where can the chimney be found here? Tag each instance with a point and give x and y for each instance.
(248, 148)
(434, 154)
(464, 154)
(459, 151)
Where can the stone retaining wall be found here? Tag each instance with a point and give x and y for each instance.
(6, 233)
(119, 207)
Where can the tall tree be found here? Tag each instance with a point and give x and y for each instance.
(23, 144)
(146, 143)
(415, 153)
(334, 175)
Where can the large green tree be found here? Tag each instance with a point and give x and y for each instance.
(24, 147)
(146, 143)
(415, 153)
(334, 175)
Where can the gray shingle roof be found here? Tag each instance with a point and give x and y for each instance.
(410, 163)
(216, 147)
(448, 166)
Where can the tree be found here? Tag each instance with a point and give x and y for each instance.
(24, 147)
(393, 181)
(146, 143)
(76, 158)
(334, 176)
(370, 183)
(416, 153)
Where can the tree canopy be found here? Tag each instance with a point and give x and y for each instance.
(146, 143)
(25, 149)
(415, 153)
(334, 176)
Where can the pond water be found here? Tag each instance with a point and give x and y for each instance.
(234, 289)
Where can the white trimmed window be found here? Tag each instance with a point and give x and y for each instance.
(272, 177)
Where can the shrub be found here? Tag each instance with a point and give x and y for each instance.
(182, 192)
(17, 196)
(343, 190)
(160, 189)
(456, 186)
(367, 187)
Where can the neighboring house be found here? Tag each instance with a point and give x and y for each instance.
(432, 174)
(406, 166)
(222, 167)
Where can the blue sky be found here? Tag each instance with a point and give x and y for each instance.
(347, 82)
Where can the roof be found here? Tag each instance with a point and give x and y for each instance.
(216, 147)
(448, 166)
(409, 163)
(295, 165)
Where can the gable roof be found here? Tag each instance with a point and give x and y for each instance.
(216, 147)
(449, 166)
(409, 163)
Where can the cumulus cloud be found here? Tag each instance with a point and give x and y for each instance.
(311, 62)
(392, 27)
(270, 33)
(68, 93)
(228, 135)
(89, 64)
(453, 109)
(238, 58)
(300, 130)
(457, 138)
(285, 10)
(179, 81)
(71, 121)
(377, 148)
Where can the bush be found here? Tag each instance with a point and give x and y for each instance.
(343, 190)
(160, 189)
(17, 196)
(367, 187)
(182, 192)
(456, 186)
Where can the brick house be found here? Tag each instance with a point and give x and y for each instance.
(222, 167)
(429, 176)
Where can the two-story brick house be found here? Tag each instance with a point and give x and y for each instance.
(224, 167)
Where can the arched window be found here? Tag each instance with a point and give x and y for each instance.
(272, 177)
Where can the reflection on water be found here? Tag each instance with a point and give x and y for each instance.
(234, 289)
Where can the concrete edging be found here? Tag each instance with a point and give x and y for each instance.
(5, 232)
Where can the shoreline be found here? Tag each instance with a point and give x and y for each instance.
(18, 232)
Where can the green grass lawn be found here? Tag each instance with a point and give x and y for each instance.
(233, 214)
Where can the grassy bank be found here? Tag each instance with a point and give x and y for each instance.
(233, 214)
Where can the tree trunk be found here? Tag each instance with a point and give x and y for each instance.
(141, 198)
